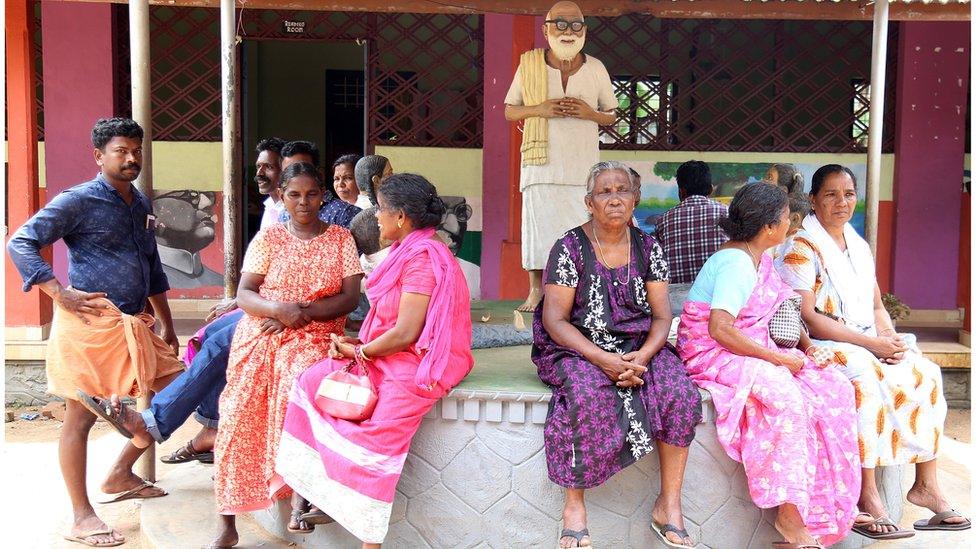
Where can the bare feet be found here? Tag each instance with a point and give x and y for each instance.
(670, 513)
(790, 525)
(121, 480)
(91, 523)
(574, 518)
(227, 536)
(530, 302)
(932, 499)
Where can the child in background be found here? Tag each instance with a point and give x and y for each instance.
(372, 250)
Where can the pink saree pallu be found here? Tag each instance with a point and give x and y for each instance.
(795, 434)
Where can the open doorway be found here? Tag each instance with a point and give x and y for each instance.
(300, 89)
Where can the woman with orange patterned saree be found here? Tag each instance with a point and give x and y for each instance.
(898, 392)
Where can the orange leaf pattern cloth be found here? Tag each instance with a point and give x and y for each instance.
(900, 405)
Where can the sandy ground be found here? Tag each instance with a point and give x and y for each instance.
(40, 513)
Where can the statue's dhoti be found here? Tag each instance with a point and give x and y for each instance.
(548, 211)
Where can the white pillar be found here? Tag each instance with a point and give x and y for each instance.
(879, 58)
(142, 113)
(230, 106)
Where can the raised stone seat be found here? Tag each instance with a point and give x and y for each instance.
(476, 477)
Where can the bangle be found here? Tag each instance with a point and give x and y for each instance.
(361, 351)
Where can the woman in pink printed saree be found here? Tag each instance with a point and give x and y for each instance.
(789, 420)
(416, 342)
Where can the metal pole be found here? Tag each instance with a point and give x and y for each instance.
(230, 106)
(142, 113)
(879, 58)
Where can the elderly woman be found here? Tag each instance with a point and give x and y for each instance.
(299, 280)
(416, 345)
(901, 409)
(788, 420)
(600, 344)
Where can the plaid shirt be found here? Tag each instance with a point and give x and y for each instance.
(689, 234)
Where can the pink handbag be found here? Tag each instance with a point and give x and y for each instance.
(347, 395)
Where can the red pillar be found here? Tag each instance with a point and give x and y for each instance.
(32, 309)
(78, 63)
(933, 76)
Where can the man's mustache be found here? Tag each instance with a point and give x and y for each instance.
(262, 179)
(131, 166)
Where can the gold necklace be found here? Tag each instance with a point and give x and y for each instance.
(604, 257)
(752, 255)
(296, 234)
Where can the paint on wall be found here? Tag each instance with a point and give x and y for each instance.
(190, 243)
(659, 189)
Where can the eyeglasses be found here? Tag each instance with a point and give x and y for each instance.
(562, 24)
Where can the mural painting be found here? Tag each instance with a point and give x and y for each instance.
(659, 190)
(190, 247)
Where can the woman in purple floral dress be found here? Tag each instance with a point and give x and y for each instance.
(619, 389)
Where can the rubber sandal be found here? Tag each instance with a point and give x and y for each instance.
(134, 493)
(296, 516)
(187, 454)
(578, 535)
(662, 530)
(317, 517)
(83, 538)
(938, 522)
(102, 408)
(898, 533)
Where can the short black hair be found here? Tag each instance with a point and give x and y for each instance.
(300, 168)
(273, 144)
(694, 178)
(106, 128)
(301, 147)
(822, 172)
(754, 206)
(416, 197)
(346, 159)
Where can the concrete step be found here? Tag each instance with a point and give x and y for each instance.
(187, 516)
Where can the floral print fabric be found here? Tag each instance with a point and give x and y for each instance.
(795, 434)
(593, 428)
(901, 409)
(262, 368)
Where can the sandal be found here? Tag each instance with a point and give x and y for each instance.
(938, 522)
(897, 533)
(296, 518)
(133, 493)
(102, 408)
(662, 534)
(83, 538)
(578, 535)
(188, 453)
(317, 516)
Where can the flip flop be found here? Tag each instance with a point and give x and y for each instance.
(133, 493)
(578, 535)
(898, 533)
(187, 454)
(83, 538)
(938, 522)
(788, 545)
(662, 530)
(317, 517)
(102, 408)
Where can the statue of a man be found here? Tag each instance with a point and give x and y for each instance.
(563, 96)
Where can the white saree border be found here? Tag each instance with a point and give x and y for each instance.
(301, 468)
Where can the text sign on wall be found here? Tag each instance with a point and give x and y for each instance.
(294, 27)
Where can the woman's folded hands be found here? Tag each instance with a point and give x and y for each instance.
(624, 370)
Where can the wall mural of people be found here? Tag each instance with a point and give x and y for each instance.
(185, 226)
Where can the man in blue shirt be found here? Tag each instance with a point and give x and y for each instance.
(101, 342)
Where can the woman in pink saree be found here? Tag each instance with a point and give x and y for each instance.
(416, 344)
(789, 420)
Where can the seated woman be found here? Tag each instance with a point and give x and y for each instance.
(900, 406)
(416, 345)
(299, 280)
(601, 344)
(790, 422)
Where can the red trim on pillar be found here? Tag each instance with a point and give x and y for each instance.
(964, 292)
(886, 229)
(23, 199)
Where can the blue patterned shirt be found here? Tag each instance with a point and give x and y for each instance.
(110, 248)
(334, 212)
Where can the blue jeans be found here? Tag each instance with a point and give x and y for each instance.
(199, 386)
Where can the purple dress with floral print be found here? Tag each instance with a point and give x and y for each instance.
(593, 428)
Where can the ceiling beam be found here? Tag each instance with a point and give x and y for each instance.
(845, 10)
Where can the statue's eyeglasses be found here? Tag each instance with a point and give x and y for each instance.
(562, 24)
